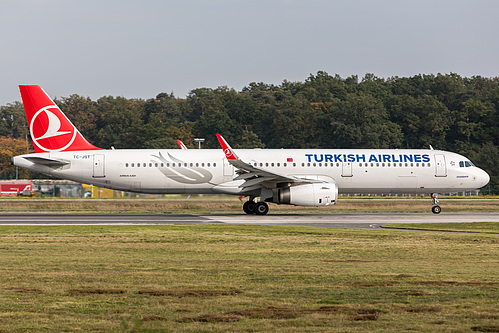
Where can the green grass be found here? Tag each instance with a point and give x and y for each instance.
(478, 227)
(210, 278)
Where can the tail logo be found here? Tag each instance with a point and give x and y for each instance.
(50, 130)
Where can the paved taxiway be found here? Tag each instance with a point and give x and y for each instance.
(336, 220)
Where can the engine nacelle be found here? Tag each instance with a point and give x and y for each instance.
(317, 194)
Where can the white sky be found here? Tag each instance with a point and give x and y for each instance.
(139, 48)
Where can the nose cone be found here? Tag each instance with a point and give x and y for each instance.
(483, 178)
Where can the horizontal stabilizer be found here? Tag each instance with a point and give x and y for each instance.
(46, 161)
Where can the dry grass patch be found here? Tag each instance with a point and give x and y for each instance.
(456, 283)
(270, 312)
(189, 292)
(153, 317)
(418, 309)
(485, 328)
(96, 291)
(26, 290)
(208, 318)
(349, 260)
(232, 204)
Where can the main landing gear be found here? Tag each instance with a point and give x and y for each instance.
(436, 208)
(258, 208)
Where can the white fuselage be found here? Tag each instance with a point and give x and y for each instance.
(208, 171)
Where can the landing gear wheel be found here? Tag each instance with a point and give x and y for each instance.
(436, 209)
(249, 207)
(261, 208)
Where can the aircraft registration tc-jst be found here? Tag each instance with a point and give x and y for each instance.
(301, 177)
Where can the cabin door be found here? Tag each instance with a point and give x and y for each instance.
(99, 166)
(440, 167)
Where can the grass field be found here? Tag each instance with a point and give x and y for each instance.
(232, 204)
(202, 278)
(475, 227)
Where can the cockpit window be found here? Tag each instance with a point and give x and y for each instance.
(465, 164)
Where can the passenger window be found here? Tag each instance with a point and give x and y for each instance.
(208, 165)
(294, 164)
(278, 164)
(138, 165)
(314, 164)
(308, 164)
(271, 164)
(126, 165)
(214, 164)
(283, 164)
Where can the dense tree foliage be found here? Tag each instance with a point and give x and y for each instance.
(449, 112)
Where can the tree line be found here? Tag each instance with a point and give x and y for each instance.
(446, 111)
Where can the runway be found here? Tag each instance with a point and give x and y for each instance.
(332, 220)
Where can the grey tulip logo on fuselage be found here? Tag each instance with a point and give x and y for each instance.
(182, 172)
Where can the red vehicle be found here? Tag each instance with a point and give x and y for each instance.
(9, 188)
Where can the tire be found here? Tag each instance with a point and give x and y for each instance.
(436, 209)
(249, 207)
(261, 208)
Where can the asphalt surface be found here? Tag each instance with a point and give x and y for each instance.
(331, 220)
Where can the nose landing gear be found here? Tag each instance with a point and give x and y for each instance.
(436, 208)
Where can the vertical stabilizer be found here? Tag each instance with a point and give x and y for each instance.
(50, 129)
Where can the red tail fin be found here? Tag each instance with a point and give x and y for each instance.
(50, 129)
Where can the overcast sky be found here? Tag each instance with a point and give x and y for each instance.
(140, 48)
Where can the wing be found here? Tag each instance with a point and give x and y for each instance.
(256, 178)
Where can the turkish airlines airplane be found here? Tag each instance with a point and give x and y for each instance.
(302, 177)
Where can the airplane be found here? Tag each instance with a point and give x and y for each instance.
(301, 177)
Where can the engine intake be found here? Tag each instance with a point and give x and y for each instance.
(319, 194)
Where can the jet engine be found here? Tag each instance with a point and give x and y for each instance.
(316, 194)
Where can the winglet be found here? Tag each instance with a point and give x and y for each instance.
(181, 145)
(229, 153)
